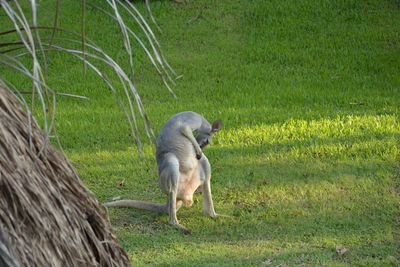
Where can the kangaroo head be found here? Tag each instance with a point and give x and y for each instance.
(204, 138)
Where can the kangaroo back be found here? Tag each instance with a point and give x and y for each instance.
(171, 139)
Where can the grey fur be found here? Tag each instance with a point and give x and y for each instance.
(182, 167)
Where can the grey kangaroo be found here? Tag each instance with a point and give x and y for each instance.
(183, 169)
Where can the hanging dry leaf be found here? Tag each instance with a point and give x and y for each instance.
(116, 198)
(267, 262)
(341, 249)
(121, 183)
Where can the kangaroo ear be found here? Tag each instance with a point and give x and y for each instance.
(216, 126)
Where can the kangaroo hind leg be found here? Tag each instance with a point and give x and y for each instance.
(169, 180)
(205, 172)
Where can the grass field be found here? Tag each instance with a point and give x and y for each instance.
(308, 158)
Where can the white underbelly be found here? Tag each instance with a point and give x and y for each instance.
(188, 183)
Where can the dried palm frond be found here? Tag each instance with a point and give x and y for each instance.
(26, 37)
(47, 216)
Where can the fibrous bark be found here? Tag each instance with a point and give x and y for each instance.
(47, 216)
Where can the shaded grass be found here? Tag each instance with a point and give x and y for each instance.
(308, 157)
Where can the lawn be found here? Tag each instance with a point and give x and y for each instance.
(308, 157)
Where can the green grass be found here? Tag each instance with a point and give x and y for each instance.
(308, 157)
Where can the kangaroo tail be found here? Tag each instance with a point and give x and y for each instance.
(137, 205)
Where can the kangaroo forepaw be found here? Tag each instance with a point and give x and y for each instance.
(199, 155)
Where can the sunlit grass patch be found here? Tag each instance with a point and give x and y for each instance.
(304, 130)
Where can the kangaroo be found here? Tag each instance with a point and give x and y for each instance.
(183, 169)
